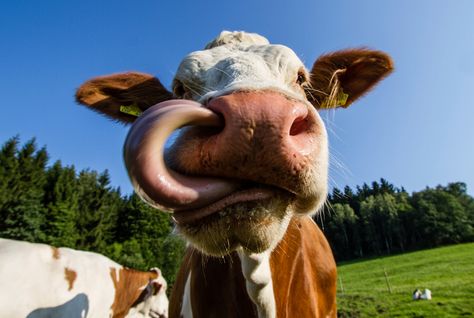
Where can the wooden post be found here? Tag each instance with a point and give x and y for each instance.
(386, 280)
(342, 286)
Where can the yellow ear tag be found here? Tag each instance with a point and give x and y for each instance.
(340, 100)
(133, 110)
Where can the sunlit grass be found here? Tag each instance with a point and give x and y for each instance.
(448, 272)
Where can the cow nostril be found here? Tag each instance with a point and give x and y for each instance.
(299, 126)
(221, 116)
(220, 128)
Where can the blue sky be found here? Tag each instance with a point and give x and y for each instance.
(415, 129)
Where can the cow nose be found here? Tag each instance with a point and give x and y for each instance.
(266, 120)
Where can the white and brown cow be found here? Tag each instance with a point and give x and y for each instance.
(41, 281)
(244, 177)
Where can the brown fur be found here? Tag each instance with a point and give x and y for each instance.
(129, 287)
(70, 276)
(355, 71)
(56, 253)
(107, 93)
(303, 271)
(217, 287)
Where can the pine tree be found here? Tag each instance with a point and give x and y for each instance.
(98, 210)
(150, 232)
(8, 173)
(22, 212)
(62, 206)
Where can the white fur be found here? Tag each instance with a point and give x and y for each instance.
(237, 38)
(186, 307)
(241, 62)
(258, 277)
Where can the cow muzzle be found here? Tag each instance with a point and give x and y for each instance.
(264, 143)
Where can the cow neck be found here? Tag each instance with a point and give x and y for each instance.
(258, 281)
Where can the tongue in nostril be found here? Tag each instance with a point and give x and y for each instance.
(143, 153)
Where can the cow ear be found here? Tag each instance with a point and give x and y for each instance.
(146, 293)
(339, 78)
(157, 286)
(122, 96)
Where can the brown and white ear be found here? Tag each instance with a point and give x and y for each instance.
(159, 282)
(157, 287)
(122, 96)
(155, 270)
(339, 78)
(146, 293)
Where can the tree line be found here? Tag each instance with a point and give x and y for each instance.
(58, 205)
(381, 219)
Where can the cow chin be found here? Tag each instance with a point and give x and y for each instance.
(255, 226)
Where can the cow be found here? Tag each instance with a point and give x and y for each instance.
(39, 281)
(245, 171)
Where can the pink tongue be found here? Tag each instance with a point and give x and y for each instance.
(157, 184)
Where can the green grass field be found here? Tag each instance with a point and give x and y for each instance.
(448, 272)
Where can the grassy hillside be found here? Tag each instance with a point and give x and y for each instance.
(448, 272)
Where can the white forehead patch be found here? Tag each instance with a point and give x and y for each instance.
(240, 61)
(237, 37)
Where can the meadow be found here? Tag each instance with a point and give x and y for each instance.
(364, 286)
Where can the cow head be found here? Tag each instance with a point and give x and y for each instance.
(152, 302)
(255, 151)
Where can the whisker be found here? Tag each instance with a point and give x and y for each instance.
(222, 71)
(308, 86)
(337, 163)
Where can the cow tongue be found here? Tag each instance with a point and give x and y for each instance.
(153, 181)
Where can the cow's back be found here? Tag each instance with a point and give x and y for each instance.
(37, 280)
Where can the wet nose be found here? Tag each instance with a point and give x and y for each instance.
(268, 120)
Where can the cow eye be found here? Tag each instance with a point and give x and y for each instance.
(179, 89)
(301, 78)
